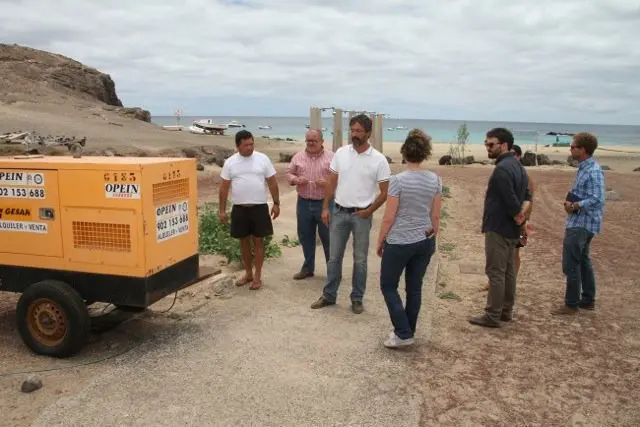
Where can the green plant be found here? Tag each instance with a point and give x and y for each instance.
(444, 213)
(449, 295)
(289, 242)
(215, 237)
(447, 247)
(463, 137)
(446, 191)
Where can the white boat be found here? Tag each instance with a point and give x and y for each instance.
(235, 124)
(203, 128)
(209, 123)
(173, 127)
(264, 127)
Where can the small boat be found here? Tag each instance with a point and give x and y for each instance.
(210, 123)
(198, 127)
(235, 124)
(264, 127)
(173, 127)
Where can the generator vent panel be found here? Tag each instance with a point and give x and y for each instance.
(168, 191)
(101, 236)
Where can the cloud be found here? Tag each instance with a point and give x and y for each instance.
(571, 61)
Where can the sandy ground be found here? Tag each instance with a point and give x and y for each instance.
(265, 358)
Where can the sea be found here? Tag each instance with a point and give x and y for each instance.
(441, 131)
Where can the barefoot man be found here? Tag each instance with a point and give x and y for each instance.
(245, 172)
(308, 171)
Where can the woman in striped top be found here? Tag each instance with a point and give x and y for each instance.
(407, 236)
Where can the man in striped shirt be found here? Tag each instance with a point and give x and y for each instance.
(585, 208)
(309, 171)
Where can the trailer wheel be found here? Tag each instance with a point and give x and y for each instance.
(53, 319)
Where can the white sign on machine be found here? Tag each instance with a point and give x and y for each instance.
(17, 219)
(172, 220)
(21, 185)
(21, 178)
(121, 191)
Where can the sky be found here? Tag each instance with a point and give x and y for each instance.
(575, 61)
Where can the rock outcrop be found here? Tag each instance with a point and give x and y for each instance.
(35, 73)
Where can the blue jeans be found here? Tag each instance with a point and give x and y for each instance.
(576, 265)
(309, 216)
(341, 226)
(414, 259)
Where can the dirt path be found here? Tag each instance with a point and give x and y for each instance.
(257, 358)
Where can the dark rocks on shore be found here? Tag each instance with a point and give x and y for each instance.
(529, 158)
(637, 169)
(450, 160)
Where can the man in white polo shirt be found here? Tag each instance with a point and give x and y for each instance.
(245, 172)
(358, 171)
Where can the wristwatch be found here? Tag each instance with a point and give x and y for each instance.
(276, 202)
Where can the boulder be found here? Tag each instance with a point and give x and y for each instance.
(199, 166)
(190, 153)
(605, 168)
(528, 158)
(389, 160)
(544, 160)
(135, 113)
(286, 157)
(444, 160)
(572, 162)
(637, 169)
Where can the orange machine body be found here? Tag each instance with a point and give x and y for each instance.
(119, 229)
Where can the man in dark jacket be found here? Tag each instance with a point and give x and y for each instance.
(501, 221)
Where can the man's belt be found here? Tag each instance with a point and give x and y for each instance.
(350, 210)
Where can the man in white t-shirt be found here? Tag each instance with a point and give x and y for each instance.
(358, 171)
(245, 172)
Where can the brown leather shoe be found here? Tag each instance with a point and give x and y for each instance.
(564, 310)
(302, 275)
(321, 302)
(484, 321)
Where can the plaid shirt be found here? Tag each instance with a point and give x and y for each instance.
(589, 189)
(313, 168)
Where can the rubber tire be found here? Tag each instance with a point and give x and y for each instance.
(75, 309)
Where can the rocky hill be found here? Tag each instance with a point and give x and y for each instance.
(35, 75)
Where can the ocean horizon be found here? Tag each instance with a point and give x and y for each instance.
(441, 131)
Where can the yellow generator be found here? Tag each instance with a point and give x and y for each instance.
(120, 230)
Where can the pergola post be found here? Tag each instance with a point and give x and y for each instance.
(337, 129)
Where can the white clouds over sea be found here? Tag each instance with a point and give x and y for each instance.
(570, 61)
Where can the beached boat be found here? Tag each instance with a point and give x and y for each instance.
(173, 127)
(203, 128)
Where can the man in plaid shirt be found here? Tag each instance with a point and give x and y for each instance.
(585, 206)
(309, 171)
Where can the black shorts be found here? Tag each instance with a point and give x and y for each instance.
(251, 221)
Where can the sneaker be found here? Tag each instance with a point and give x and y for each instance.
(321, 302)
(357, 307)
(394, 341)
